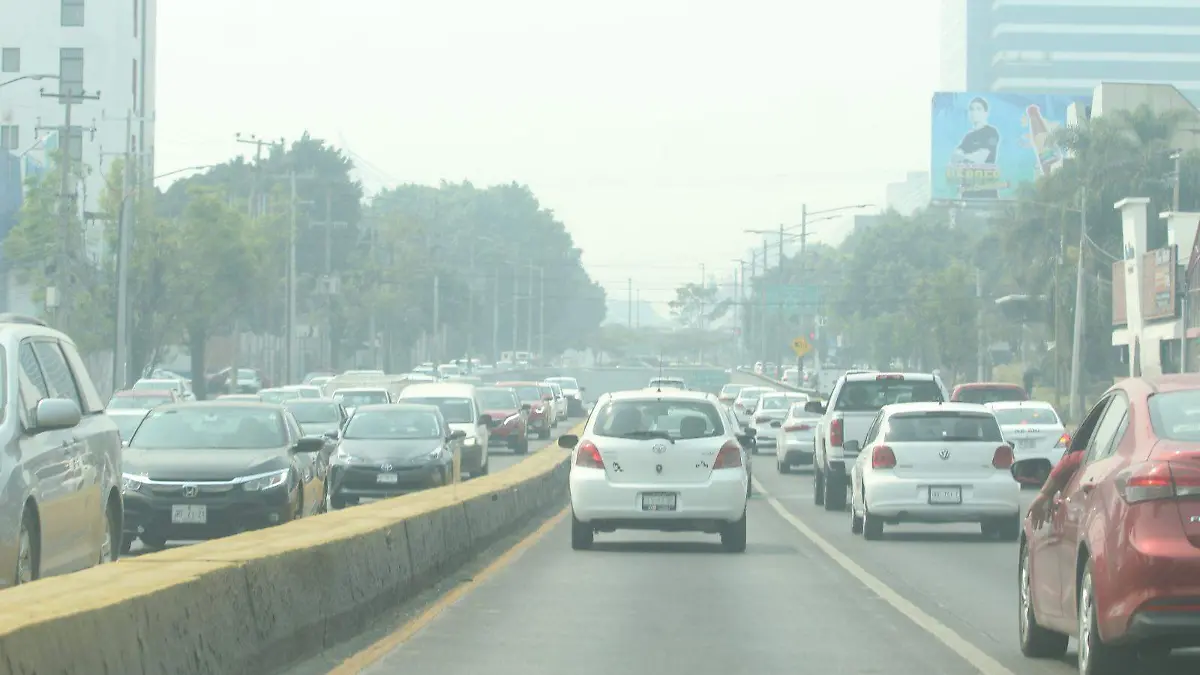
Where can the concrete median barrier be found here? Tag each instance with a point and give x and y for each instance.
(259, 601)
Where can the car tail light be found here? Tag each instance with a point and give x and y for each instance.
(1002, 458)
(882, 457)
(588, 455)
(889, 376)
(762, 420)
(1157, 480)
(835, 432)
(1064, 441)
(730, 456)
(799, 427)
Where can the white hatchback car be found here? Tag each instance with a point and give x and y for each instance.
(771, 410)
(934, 463)
(658, 460)
(1033, 428)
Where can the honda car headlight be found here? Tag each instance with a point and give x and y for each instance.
(131, 483)
(264, 481)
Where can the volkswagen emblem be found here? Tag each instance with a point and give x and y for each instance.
(944, 454)
(191, 491)
(659, 448)
(385, 467)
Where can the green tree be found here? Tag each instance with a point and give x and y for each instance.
(695, 304)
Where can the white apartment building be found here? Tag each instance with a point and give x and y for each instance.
(51, 47)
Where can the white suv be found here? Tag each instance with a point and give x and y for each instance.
(658, 460)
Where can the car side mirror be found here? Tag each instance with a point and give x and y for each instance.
(776, 425)
(457, 435)
(851, 447)
(568, 441)
(525, 407)
(309, 444)
(814, 407)
(55, 413)
(1034, 471)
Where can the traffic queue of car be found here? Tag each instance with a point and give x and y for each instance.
(1110, 552)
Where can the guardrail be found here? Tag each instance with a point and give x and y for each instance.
(260, 601)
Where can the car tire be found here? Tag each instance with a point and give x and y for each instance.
(783, 467)
(483, 468)
(114, 538)
(856, 521)
(1036, 642)
(29, 550)
(835, 493)
(872, 528)
(818, 486)
(544, 434)
(152, 542)
(582, 535)
(733, 536)
(1096, 657)
(522, 446)
(336, 503)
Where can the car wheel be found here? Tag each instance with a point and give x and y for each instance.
(582, 535)
(835, 493)
(733, 536)
(110, 547)
(483, 468)
(29, 545)
(152, 542)
(818, 486)
(1036, 642)
(1095, 656)
(856, 521)
(872, 528)
(782, 466)
(336, 503)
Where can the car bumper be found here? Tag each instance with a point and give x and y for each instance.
(595, 500)
(907, 499)
(765, 435)
(357, 481)
(796, 451)
(225, 514)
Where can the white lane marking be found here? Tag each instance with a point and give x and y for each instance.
(943, 633)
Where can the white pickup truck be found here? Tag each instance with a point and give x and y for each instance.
(854, 403)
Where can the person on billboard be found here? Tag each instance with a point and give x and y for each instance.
(978, 149)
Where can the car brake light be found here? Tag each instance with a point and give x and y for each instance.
(1003, 457)
(799, 427)
(889, 376)
(1157, 480)
(730, 456)
(835, 432)
(1064, 441)
(882, 457)
(588, 455)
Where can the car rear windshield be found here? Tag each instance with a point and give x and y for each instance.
(455, 410)
(1176, 415)
(1026, 416)
(990, 394)
(942, 426)
(314, 412)
(659, 419)
(354, 399)
(210, 427)
(136, 402)
(278, 396)
(871, 395)
(498, 399)
(529, 393)
(779, 402)
(393, 424)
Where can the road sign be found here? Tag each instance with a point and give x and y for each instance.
(803, 296)
(801, 347)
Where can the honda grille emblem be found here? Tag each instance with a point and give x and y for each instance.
(659, 448)
(944, 454)
(191, 490)
(386, 467)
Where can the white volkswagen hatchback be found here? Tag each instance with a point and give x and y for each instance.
(658, 460)
(934, 463)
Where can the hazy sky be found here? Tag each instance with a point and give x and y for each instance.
(657, 130)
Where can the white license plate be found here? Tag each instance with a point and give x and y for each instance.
(189, 514)
(658, 502)
(1027, 443)
(945, 495)
(389, 478)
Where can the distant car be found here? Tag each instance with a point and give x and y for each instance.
(932, 462)
(561, 404)
(772, 408)
(352, 397)
(729, 393)
(680, 468)
(573, 393)
(181, 388)
(539, 419)
(988, 392)
(552, 403)
(1033, 428)
(462, 410)
(278, 394)
(747, 401)
(141, 399)
(795, 438)
(305, 390)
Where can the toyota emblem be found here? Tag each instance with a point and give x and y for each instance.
(385, 467)
(191, 491)
(659, 448)
(944, 454)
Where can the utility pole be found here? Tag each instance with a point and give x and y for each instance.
(471, 302)
(516, 317)
(120, 374)
(529, 319)
(372, 330)
(637, 299)
(255, 207)
(703, 317)
(762, 315)
(629, 302)
(66, 195)
(437, 320)
(496, 317)
(980, 338)
(1077, 338)
(1184, 305)
(542, 312)
(330, 285)
(292, 344)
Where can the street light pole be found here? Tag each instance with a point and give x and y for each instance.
(1080, 308)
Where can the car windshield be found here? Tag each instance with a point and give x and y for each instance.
(157, 384)
(731, 390)
(393, 424)
(1176, 415)
(137, 402)
(455, 410)
(528, 393)
(211, 427)
(126, 424)
(983, 395)
(565, 382)
(871, 395)
(498, 399)
(654, 418)
(314, 412)
(278, 395)
(940, 426)
(354, 399)
(780, 402)
(1025, 416)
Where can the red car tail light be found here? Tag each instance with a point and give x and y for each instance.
(730, 456)
(1157, 480)
(588, 455)
(882, 457)
(799, 427)
(1002, 458)
(1064, 441)
(835, 432)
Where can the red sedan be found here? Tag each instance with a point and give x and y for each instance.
(504, 407)
(539, 418)
(1116, 562)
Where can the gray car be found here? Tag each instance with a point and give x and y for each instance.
(60, 471)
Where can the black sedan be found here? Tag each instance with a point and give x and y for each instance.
(391, 449)
(210, 469)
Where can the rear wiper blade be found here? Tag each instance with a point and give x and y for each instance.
(646, 435)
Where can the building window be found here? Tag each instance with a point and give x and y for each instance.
(10, 137)
(72, 13)
(10, 60)
(70, 72)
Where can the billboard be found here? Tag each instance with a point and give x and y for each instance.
(1159, 272)
(986, 145)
